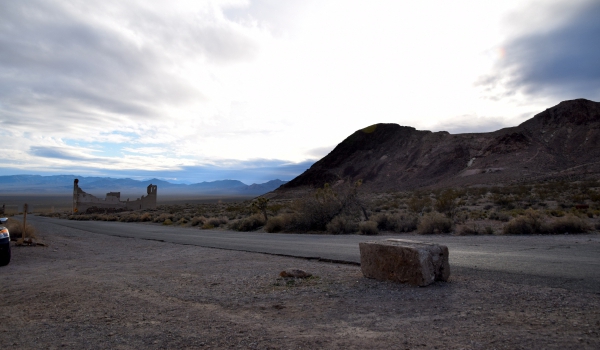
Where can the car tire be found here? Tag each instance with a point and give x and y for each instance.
(5, 255)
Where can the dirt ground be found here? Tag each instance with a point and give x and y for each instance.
(87, 291)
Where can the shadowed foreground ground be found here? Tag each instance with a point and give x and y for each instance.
(95, 291)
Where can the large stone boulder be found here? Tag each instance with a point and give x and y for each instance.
(404, 261)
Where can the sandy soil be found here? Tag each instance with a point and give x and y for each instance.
(93, 291)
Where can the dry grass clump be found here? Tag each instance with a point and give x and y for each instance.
(433, 223)
(556, 213)
(277, 223)
(474, 229)
(250, 223)
(402, 222)
(342, 225)
(15, 228)
(499, 216)
(198, 220)
(217, 221)
(529, 223)
(163, 217)
(213, 222)
(131, 217)
(569, 224)
(368, 228)
(532, 222)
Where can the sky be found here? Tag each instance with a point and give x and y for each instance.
(192, 91)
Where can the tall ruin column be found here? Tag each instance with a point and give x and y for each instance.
(75, 192)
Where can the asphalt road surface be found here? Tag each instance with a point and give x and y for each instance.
(566, 261)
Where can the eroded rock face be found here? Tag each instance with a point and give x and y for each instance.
(562, 141)
(404, 261)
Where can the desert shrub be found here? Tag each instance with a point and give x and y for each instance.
(198, 220)
(250, 223)
(502, 200)
(182, 221)
(404, 222)
(418, 204)
(167, 222)
(162, 217)
(145, 217)
(499, 216)
(519, 226)
(461, 217)
(468, 230)
(529, 223)
(276, 223)
(216, 221)
(434, 222)
(396, 222)
(275, 208)
(16, 229)
(569, 223)
(446, 202)
(261, 205)
(342, 225)
(313, 213)
(368, 228)
(477, 215)
(556, 213)
(129, 218)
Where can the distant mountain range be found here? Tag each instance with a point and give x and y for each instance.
(98, 186)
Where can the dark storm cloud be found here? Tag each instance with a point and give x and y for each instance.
(562, 62)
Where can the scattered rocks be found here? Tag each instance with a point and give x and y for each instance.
(295, 273)
(29, 242)
(405, 261)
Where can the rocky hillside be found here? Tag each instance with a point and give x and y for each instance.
(563, 141)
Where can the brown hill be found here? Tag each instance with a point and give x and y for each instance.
(563, 141)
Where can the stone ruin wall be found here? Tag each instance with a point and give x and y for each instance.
(83, 201)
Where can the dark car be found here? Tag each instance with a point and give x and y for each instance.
(4, 244)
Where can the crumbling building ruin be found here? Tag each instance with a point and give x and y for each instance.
(85, 202)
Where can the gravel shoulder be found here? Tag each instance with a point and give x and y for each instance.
(92, 291)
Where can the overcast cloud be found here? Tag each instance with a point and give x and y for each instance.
(257, 90)
(560, 61)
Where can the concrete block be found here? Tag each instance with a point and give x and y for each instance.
(404, 261)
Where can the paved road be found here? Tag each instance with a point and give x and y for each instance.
(569, 261)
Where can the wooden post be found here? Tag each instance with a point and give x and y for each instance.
(24, 220)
